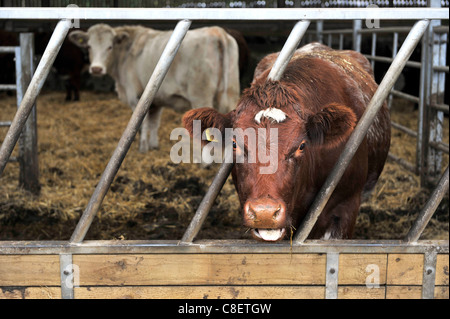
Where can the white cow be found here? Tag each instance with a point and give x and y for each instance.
(204, 72)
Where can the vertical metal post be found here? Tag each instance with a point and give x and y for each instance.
(33, 91)
(332, 276)
(360, 130)
(275, 74)
(131, 130)
(68, 275)
(357, 26)
(373, 49)
(28, 153)
(436, 97)
(319, 31)
(429, 274)
(423, 116)
(394, 53)
(427, 117)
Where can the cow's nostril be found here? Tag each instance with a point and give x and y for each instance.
(277, 212)
(251, 212)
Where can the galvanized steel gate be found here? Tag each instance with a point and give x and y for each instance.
(188, 268)
(28, 154)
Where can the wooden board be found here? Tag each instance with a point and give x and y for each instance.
(29, 270)
(202, 269)
(221, 276)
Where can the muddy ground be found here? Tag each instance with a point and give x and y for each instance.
(153, 198)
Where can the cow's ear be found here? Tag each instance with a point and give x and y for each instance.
(79, 38)
(332, 125)
(209, 118)
(121, 37)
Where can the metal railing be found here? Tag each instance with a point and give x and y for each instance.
(432, 69)
(28, 154)
(300, 244)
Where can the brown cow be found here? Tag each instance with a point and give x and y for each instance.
(315, 106)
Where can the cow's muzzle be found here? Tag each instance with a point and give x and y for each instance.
(97, 70)
(266, 217)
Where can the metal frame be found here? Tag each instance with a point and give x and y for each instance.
(28, 153)
(223, 14)
(429, 145)
(76, 245)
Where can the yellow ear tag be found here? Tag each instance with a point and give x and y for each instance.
(208, 136)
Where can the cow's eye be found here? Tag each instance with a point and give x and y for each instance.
(110, 48)
(302, 146)
(300, 149)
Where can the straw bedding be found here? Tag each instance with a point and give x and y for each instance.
(153, 198)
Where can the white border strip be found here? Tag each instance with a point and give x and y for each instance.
(215, 14)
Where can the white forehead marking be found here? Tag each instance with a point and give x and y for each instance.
(272, 113)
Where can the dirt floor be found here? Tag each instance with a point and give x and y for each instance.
(153, 198)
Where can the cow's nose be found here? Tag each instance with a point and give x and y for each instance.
(264, 213)
(96, 70)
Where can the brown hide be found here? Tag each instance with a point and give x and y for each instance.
(322, 94)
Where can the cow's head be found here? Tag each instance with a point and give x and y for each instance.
(100, 40)
(269, 200)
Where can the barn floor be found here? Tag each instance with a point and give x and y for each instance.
(152, 198)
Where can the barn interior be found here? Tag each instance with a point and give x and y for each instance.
(151, 197)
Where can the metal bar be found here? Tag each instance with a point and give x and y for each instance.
(7, 87)
(338, 31)
(407, 165)
(440, 107)
(28, 152)
(288, 50)
(404, 129)
(361, 129)
(440, 68)
(207, 201)
(221, 247)
(7, 49)
(429, 209)
(429, 274)
(412, 64)
(332, 275)
(67, 276)
(32, 92)
(386, 30)
(394, 53)
(357, 26)
(223, 14)
(441, 29)
(422, 123)
(439, 146)
(219, 180)
(373, 50)
(437, 87)
(131, 130)
(5, 124)
(341, 41)
(406, 96)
